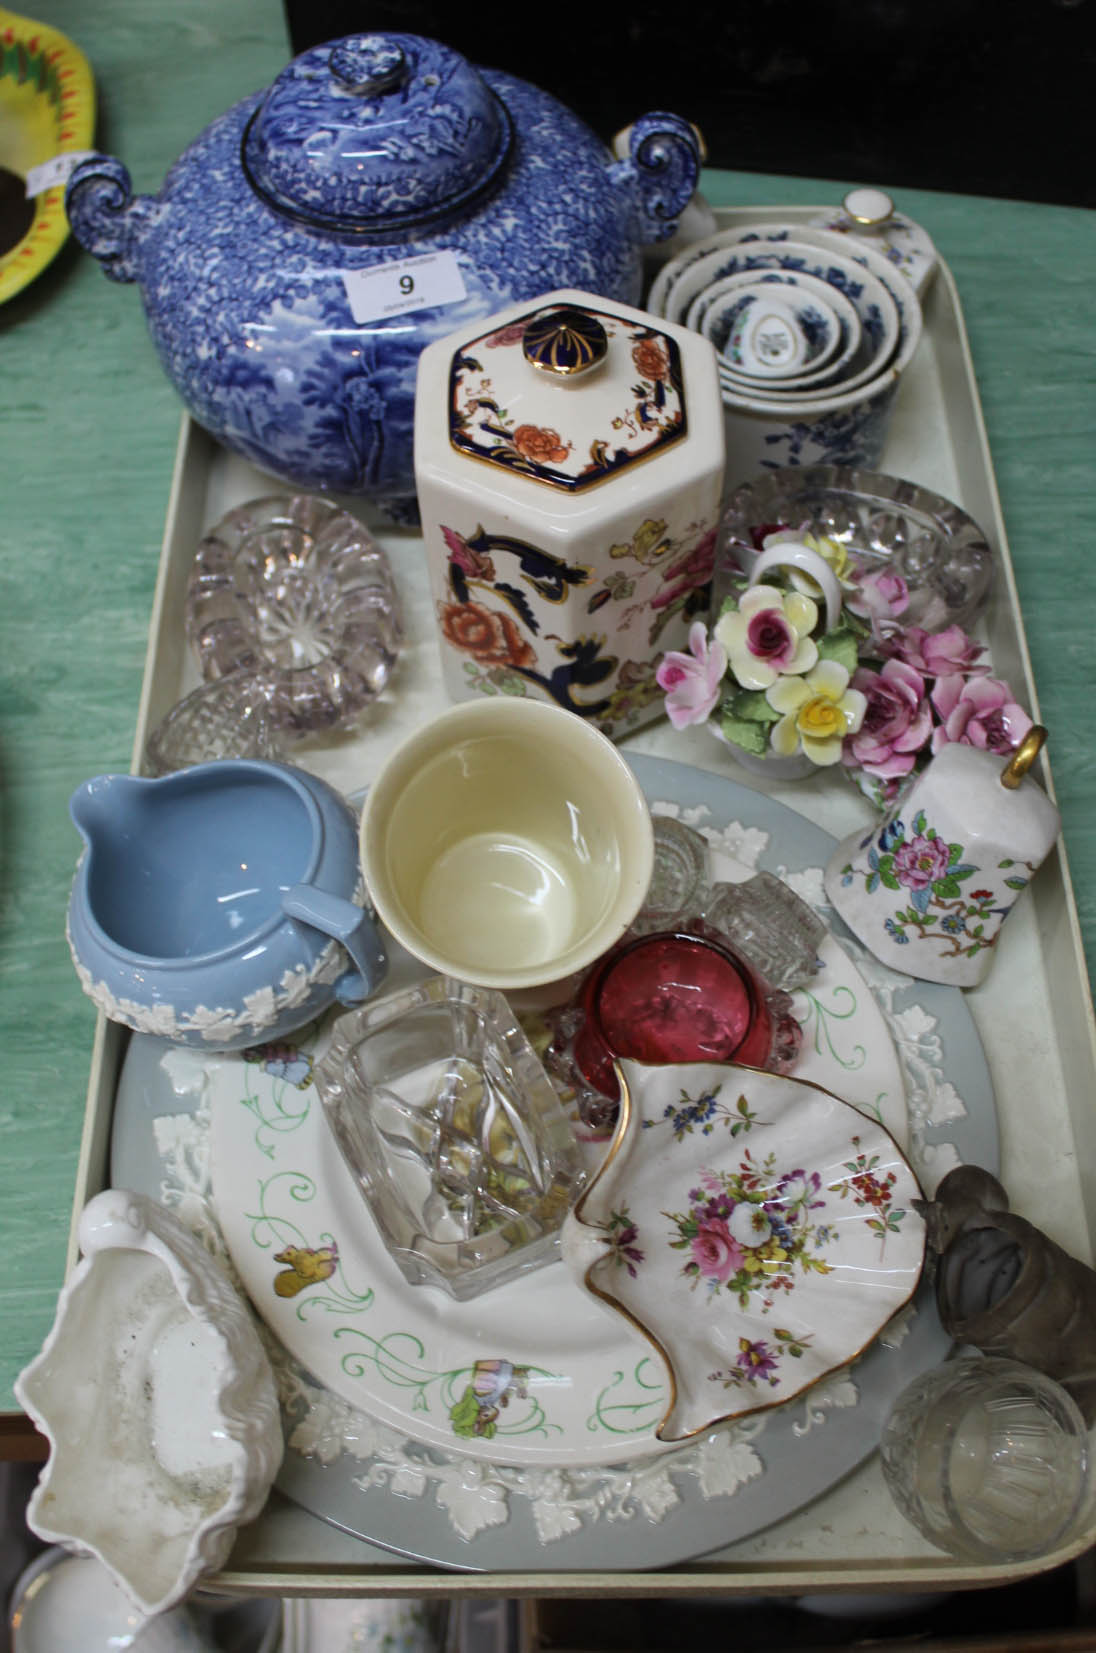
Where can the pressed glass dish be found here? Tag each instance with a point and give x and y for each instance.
(228, 718)
(294, 588)
(453, 1132)
(883, 521)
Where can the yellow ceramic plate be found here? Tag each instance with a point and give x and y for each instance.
(47, 108)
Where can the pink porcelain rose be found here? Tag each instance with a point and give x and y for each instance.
(897, 722)
(692, 682)
(940, 653)
(880, 596)
(977, 711)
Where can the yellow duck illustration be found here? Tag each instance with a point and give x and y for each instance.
(307, 1267)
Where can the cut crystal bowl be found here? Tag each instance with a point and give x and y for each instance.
(883, 521)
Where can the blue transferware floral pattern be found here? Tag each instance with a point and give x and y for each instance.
(246, 301)
(930, 877)
(852, 437)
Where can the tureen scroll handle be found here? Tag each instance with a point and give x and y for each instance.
(662, 168)
(106, 217)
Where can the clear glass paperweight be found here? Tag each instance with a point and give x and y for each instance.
(296, 588)
(454, 1134)
(771, 926)
(882, 521)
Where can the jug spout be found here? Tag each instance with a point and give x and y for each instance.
(95, 805)
(106, 217)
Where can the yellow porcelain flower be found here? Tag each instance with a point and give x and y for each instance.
(830, 550)
(818, 711)
(769, 635)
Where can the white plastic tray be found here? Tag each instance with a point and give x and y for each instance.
(1034, 1013)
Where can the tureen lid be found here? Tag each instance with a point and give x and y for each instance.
(570, 392)
(376, 132)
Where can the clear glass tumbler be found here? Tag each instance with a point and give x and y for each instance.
(988, 1458)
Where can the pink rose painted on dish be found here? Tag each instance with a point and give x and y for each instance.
(921, 862)
(938, 654)
(717, 1255)
(897, 723)
(691, 682)
(978, 711)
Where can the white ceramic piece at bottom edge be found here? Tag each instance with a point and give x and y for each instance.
(158, 1401)
(339, 1624)
(65, 1603)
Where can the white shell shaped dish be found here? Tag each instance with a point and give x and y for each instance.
(757, 1230)
(158, 1402)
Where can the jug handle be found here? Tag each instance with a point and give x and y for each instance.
(348, 924)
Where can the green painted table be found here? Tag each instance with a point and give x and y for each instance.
(88, 426)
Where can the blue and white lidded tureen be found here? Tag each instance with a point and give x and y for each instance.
(383, 192)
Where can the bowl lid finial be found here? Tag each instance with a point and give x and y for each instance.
(376, 133)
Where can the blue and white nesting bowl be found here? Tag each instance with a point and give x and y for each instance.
(837, 271)
(767, 335)
(714, 312)
(842, 421)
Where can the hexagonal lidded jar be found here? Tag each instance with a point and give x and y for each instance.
(569, 458)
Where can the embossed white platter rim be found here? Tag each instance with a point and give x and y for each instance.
(447, 1511)
(559, 1382)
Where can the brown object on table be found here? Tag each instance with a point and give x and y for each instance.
(1006, 1288)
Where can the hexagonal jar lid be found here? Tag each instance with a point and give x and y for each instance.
(376, 132)
(571, 392)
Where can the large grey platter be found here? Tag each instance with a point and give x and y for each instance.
(804, 1449)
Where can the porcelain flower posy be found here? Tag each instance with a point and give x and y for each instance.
(691, 682)
(868, 693)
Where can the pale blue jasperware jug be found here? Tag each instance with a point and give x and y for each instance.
(219, 906)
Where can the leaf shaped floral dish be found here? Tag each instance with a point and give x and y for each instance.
(756, 1229)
